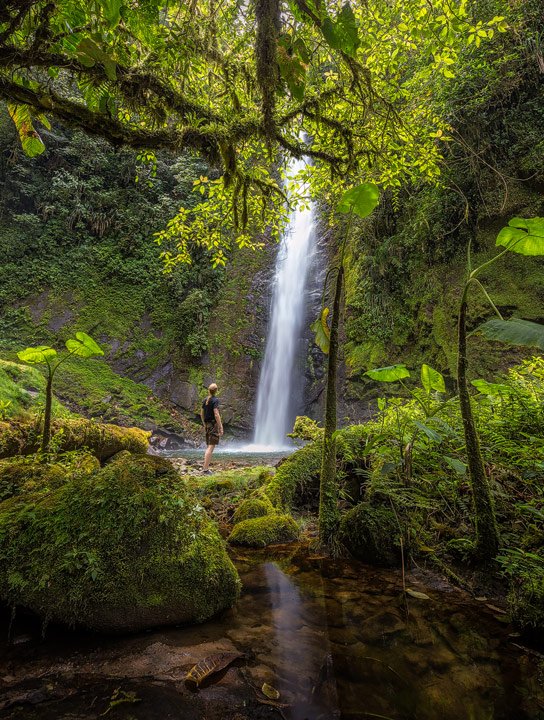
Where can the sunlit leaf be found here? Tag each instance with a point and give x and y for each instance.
(431, 379)
(514, 332)
(487, 388)
(361, 200)
(37, 355)
(522, 236)
(322, 331)
(83, 345)
(31, 142)
(392, 373)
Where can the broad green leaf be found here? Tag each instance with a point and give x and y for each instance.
(487, 388)
(362, 199)
(322, 331)
(111, 10)
(37, 355)
(429, 432)
(525, 237)
(83, 345)
(392, 373)
(292, 67)
(431, 379)
(459, 467)
(514, 331)
(342, 33)
(30, 140)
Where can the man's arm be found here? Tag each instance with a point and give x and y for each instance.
(218, 421)
(202, 417)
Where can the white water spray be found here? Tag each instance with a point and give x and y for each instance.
(273, 418)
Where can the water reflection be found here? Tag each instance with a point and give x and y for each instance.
(303, 660)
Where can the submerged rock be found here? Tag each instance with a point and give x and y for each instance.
(371, 535)
(263, 531)
(120, 549)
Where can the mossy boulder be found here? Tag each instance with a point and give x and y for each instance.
(102, 439)
(263, 531)
(296, 482)
(121, 549)
(371, 534)
(24, 474)
(252, 508)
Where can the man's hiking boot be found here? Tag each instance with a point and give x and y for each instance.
(207, 472)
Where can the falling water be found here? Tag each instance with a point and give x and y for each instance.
(278, 379)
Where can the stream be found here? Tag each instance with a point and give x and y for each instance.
(334, 639)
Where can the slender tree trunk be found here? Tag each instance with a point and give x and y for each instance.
(328, 495)
(46, 437)
(487, 535)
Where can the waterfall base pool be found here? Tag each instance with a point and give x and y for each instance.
(334, 639)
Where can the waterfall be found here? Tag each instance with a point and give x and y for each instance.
(275, 407)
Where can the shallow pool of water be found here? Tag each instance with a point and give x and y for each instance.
(334, 639)
(236, 454)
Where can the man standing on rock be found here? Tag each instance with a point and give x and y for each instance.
(211, 419)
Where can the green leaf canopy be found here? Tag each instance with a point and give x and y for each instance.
(362, 199)
(392, 373)
(487, 388)
(514, 331)
(525, 237)
(37, 355)
(83, 345)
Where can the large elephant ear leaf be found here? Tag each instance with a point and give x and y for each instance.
(431, 379)
(361, 199)
(514, 331)
(83, 345)
(392, 373)
(522, 236)
(322, 331)
(37, 355)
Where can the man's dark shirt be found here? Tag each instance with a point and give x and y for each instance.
(209, 406)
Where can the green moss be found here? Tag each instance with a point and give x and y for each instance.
(263, 531)
(26, 474)
(526, 603)
(371, 534)
(252, 508)
(296, 481)
(101, 439)
(125, 548)
(228, 481)
(22, 388)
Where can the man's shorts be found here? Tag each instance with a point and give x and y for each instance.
(212, 434)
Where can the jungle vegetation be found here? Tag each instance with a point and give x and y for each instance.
(378, 95)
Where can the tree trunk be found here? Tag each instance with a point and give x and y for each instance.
(46, 437)
(328, 495)
(487, 535)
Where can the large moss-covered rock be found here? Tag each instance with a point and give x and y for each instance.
(24, 474)
(121, 549)
(263, 531)
(252, 508)
(102, 439)
(371, 534)
(296, 482)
